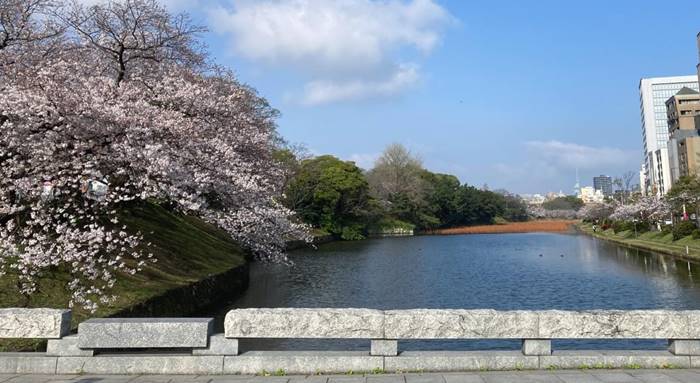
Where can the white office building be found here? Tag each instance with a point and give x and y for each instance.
(653, 93)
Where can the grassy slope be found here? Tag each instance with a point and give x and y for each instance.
(654, 241)
(187, 250)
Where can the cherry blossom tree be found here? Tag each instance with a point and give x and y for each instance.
(596, 211)
(646, 209)
(79, 142)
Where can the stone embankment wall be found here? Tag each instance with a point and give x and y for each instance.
(116, 345)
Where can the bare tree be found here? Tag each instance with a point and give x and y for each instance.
(627, 180)
(136, 35)
(397, 171)
(618, 182)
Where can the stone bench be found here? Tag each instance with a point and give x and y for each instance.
(536, 329)
(34, 323)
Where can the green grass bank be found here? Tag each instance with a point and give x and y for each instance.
(652, 241)
(197, 267)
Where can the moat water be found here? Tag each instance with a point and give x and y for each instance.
(499, 271)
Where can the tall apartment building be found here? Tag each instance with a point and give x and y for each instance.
(683, 143)
(653, 94)
(604, 184)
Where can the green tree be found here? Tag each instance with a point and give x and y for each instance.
(685, 192)
(330, 194)
(564, 203)
(442, 192)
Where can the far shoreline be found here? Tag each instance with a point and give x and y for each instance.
(539, 226)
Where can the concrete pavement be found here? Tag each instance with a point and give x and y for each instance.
(560, 376)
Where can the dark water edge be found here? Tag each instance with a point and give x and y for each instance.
(200, 298)
(499, 271)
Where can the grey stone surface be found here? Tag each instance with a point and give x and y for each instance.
(218, 345)
(144, 333)
(576, 377)
(67, 346)
(595, 376)
(33, 378)
(644, 324)
(614, 377)
(34, 323)
(304, 323)
(141, 364)
(684, 347)
(346, 379)
(425, 378)
(302, 362)
(460, 324)
(526, 377)
(409, 361)
(27, 363)
(613, 359)
(463, 378)
(309, 379)
(685, 376)
(652, 377)
(390, 378)
(384, 347)
(537, 347)
(694, 361)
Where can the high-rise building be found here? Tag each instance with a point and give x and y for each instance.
(604, 184)
(653, 94)
(683, 143)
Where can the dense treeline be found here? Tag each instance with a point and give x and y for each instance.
(397, 193)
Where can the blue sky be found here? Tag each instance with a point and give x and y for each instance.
(514, 94)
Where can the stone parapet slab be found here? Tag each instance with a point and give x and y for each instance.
(118, 333)
(339, 362)
(305, 323)
(34, 323)
(141, 364)
(302, 362)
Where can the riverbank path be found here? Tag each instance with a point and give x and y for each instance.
(563, 376)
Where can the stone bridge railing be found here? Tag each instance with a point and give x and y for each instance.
(137, 345)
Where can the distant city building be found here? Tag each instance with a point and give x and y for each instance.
(684, 143)
(653, 94)
(552, 195)
(533, 199)
(604, 184)
(589, 194)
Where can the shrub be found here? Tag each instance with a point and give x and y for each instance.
(683, 229)
(619, 226)
(666, 229)
(352, 233)
(500, 221)
(696, 234)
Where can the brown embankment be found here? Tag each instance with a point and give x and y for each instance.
(549, 226)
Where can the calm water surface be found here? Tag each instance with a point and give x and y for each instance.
(499, 271)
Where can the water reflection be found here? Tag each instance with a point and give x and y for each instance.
(478, 271)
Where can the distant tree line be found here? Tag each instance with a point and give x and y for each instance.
(345, 201)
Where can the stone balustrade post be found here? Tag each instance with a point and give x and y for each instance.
(384, 347)
(537, 347)
(684, 347)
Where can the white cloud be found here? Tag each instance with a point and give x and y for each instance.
(569, 155)
(328, 91)
(347, 49)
